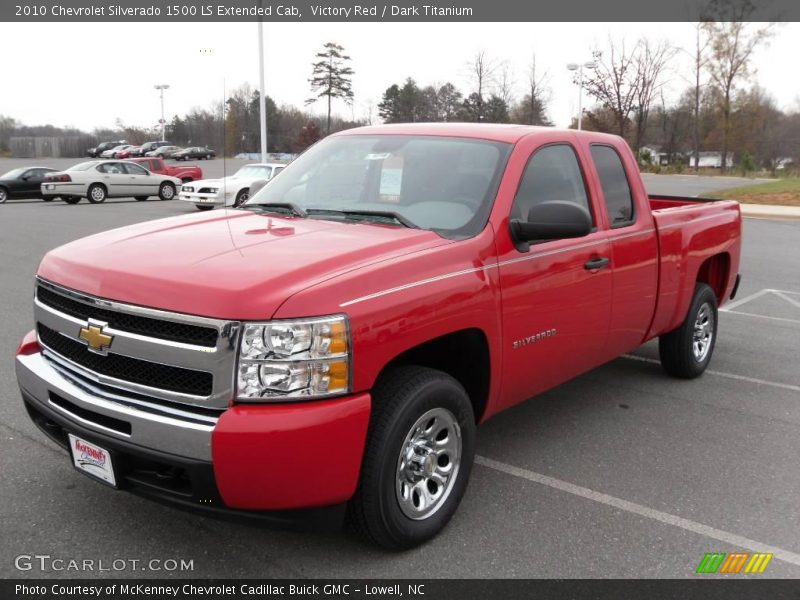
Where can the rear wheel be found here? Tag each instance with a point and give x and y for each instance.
(686, 351)
(97, 193)
(72, 199)
(419, 454)
(50, 198)
(166, 191)
(141, 198)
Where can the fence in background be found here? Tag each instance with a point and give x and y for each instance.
(50, 147)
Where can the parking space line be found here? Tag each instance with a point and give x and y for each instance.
(746, 314)
(787, 298)
(740, 301)
(775, 384)
(726, 537)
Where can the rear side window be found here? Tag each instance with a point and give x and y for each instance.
(616, 189)
(553, 173)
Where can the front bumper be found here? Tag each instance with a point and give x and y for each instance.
(202, 199)
(252, 458)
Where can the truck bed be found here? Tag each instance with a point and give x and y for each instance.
(695, 236)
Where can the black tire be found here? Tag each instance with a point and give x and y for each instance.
(72, 199)
(166, 191)
(684, 354)
(203, 207)
(241, 197)
(141, 198)
(97, 193)
(50, 198)
(401, 398)
(3, 195)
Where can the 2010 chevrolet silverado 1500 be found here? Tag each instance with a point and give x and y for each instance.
(335, 341)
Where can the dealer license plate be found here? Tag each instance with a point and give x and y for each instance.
(92, 460)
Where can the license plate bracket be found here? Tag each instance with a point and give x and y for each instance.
(92, 460)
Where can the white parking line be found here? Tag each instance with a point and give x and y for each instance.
(726, 537)
(746, 314)
(787, 298)
(775, 384)
(740, 301)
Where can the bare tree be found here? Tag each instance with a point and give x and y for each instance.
(505, 84)
(614, 83)
(482, 70)
(699, 59)
(533, 107)
(650, 61)
(733, 42)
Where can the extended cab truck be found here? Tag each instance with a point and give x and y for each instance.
(335, 341)
(185, 173)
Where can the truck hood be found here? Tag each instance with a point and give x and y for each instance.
(227, 264)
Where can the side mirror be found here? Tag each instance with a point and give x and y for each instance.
(553, 220)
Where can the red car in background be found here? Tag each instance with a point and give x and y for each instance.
(185, 173)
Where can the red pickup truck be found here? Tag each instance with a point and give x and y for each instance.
(185, 173)
(336, 340)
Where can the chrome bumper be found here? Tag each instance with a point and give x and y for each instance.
(153, 426)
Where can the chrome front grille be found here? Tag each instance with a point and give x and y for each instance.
(164, 355)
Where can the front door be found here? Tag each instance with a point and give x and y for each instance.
(556, 296)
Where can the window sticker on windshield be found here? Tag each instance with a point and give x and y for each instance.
(377, 156)
(391, 182)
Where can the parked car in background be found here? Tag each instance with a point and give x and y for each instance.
(115, 152)
(147, 147)
(100, 148)
(126, 153)
(101, 179)
(185, 173)
(195, 152)
(163, 151)
(230, 191)
(23, 183)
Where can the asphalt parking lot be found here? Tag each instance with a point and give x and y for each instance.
(622, 472)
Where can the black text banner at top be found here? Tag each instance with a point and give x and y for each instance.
(398, 11)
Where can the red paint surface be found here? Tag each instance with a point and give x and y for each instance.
(281, 456)
(28, 345)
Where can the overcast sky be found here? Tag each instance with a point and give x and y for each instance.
(88, 75)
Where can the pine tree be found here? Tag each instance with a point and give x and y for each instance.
(331, 77)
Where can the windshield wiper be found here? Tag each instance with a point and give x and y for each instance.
(382, 214)
(280, 206)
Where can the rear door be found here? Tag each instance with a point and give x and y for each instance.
(634, 247)
(555, 299)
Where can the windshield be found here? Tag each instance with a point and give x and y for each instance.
(439, 183)
(12, 174)
(85, 166)
(254, 172)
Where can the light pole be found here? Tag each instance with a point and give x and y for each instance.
(579, 68)
(262, 99)
(161, 87)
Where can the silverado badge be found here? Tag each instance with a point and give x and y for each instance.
(97, 341)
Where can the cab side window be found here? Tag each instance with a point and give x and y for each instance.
(553, 173)
(616, 189)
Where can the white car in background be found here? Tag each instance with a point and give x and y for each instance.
(101, 179)
(229, 191)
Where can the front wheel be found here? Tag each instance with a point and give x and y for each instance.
(203, 206)
(241, 197)
(418, 459)
(72, 199)
(96, 193)
(166, 191)
(686, 351)
(3, 195)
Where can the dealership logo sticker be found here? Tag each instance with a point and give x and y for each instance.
(734, 563)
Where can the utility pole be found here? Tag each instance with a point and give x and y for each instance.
(262, 98)
(579, 68)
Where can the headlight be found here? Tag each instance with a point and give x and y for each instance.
(213, 190)
(187, 188)
(304, 358)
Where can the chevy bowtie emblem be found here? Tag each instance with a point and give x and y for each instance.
(95, 339)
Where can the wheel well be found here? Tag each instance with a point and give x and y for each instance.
(714, 272)
(102, 185)
(464, 355)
